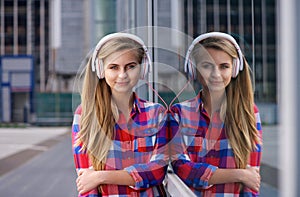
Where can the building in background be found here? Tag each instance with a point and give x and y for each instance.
(50, 33)
(24, 35)
(59, 34)
(252, 23)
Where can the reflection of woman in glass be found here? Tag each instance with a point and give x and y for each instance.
(217, 149)
(118, 139)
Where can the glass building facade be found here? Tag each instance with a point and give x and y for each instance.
(252, 23)
(104, 18)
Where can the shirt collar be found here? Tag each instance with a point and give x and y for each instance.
(136, 104)
(199, 102)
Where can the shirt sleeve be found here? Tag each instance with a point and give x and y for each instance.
(81, 159)
(193, 174)
(153, 173)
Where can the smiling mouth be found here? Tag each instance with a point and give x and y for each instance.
(216, 82)
(122, 83)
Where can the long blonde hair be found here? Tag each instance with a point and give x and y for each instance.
(238, 108)
(99, 112)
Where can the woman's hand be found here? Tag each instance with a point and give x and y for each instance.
(251, 178)
(87, 180)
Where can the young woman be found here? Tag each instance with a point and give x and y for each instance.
(119, 140)
(217, 147)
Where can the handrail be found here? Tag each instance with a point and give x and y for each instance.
(176, 187)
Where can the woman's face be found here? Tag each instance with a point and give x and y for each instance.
(122, 71)
(215, 70)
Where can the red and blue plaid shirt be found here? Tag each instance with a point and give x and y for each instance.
(200, 146)
(139, 147)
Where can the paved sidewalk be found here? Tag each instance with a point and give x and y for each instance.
(270, 146)
(18, 145)
(270, 156)
(13, 140)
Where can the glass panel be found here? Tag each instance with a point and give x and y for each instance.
(105, 17)
(22, 23)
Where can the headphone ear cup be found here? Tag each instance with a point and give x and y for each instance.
(235, 67)
(101, 69)
(192, 69)
(144, 67)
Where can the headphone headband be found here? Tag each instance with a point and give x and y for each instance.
(188, 68)
(97, 65)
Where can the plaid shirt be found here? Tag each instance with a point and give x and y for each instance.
(139, 147)
(201, 146)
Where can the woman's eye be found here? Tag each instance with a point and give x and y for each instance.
(224, 66)
(130, 66)
(113, 67)
(206, 66)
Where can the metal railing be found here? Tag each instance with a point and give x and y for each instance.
(176, 187)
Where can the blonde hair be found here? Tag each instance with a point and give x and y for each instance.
(99, 112)
(238, 107)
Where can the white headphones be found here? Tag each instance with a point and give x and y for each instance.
(97, 64)
(237, 62)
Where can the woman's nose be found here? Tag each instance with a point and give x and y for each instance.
(215, 72)
(123, 73)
